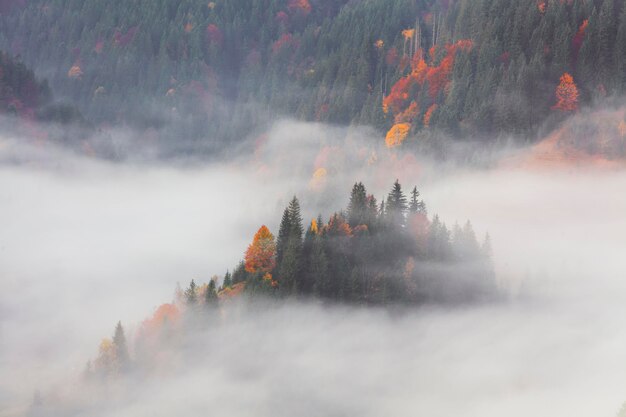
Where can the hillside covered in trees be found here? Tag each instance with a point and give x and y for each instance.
(21, 94)
(369, 254)
(24, 96)
(221, 70)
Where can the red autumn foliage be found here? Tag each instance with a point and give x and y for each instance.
(299, 6)
(120, 39)
(338, 227)
(286, 40)
(577, 42)
(282, 18)
(214, 35)
(399, 94)
(165, 313)
(392, 57)
(261, 254)
(99, 46)
(429, 114)
(408, 115)
(566, 94)
(437, 76)
(541, 5)
(232, 292)
(505, 58)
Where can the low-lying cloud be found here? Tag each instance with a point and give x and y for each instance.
(85, 242)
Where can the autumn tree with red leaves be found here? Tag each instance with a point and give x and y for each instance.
(566, 94)
(261, 254)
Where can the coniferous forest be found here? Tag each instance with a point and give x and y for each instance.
(370, 254)
(286, 208)
(211, 73)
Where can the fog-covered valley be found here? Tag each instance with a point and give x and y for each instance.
(87, 242)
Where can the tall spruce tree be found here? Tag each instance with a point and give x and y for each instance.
(416, 205)
(191, 297)
(289, 272)
(121, 348)
(210, 296)
(357, 207)
(396, 206)
(283, 237)
(228, 281)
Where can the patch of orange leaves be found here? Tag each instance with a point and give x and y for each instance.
(397, 134)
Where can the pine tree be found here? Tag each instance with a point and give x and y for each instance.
(283, 237)
(372, 212)
(416, 205)
(210, 296)
(121, 348)
(239, 274)
(357, 207)
(295, 220)
(227, 280)
(289, 272)
(396, 206)
(190, 294)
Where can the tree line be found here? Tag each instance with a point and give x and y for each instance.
(369, 253)
(372, 253)
(192, 69)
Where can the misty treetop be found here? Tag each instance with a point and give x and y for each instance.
(387, 253)
(370, 253)
(223, 69)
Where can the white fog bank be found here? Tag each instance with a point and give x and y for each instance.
(85, 243)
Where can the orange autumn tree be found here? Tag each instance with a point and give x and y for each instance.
(261, 254)
(566, 94)
(397, 134)
(434, 76)
(429, 114)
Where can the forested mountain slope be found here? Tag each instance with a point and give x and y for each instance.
(220, 69)
(20, 92)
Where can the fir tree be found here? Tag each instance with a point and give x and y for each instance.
(283, 237)
(191, 297)
(416, 205)
(357, 207)
(121, 349)
(289, 272)
(396, 206)
(210, 296)
(227, 280)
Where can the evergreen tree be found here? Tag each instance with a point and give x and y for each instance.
(121, 348)
(295, 219)
(210, 296)
(396, 206)
(357, 207)
(239, 274)
(282, 240)
(227, 280)
(191, 297)
(289, 272)
(416, 205)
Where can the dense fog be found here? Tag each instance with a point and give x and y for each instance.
(86, 242)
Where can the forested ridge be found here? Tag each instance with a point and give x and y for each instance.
(219, 71)
(370, 254)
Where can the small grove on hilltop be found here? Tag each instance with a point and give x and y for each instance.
(369, 254)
